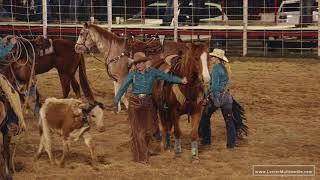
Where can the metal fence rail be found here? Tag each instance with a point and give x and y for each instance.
(242, 28)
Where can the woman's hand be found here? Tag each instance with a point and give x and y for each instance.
(13, 40)
(184, 80)
(112, 107)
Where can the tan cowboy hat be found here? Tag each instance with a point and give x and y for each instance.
(140, 57)
(219, 53)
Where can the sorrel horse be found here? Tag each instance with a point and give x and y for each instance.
(175, 100)
(116, 51)
(63, 58)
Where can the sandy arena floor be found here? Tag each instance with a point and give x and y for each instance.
(282, 104)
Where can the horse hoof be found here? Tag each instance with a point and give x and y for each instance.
(94, 164)
(59, 163)
(8, 177)
(195, 160)
(177, 155)
(36, 157)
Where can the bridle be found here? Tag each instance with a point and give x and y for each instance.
(84, 42)
(106, 61)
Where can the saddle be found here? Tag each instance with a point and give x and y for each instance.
(150, 47)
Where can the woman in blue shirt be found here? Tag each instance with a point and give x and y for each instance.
(5, 46)
(218, 97)
(142, 114)
(12, 126)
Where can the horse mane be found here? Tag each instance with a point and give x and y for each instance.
(106, 34)
(191, 58)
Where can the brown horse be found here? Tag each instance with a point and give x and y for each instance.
(116, 51)
(175, 100)
(63, 58)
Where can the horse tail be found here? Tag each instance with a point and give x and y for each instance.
(38, 99)
(40, 126)
(84, 80)
(239, 118)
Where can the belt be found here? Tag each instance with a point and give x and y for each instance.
(142, 95)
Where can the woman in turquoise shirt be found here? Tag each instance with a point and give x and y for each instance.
(142, 114)
(218, 97)
(5, 46)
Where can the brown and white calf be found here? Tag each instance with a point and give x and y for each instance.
(71, 119)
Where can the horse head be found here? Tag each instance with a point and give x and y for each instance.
(41, 42)
(85, 41)
(195, 62)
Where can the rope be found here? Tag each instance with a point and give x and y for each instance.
(15, 59)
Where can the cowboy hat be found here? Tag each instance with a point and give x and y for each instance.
(219, 53)
(140, 57)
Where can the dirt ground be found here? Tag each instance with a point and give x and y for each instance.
(282, 104)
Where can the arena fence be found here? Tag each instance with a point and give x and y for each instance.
(242, 28)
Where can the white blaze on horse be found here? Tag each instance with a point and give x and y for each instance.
(71, 119)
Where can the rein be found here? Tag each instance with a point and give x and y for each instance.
(105, 61)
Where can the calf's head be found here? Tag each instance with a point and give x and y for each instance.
(95, 114)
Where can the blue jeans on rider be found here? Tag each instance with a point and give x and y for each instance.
(226, 109)
(33, 93)
(167, 18)
(11, 119)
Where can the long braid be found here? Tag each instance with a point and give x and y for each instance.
(227, 69)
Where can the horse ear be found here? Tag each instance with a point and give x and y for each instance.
(86, 25)
(189, 45)
(206, 43)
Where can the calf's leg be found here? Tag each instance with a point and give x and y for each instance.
(64, 151)
(88, 141)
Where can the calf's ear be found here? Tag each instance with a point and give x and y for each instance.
(99, 104)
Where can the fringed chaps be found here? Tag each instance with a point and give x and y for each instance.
(143, 124)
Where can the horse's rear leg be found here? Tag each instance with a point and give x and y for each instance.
(166, 132)
(6, 155)
(65, 83)
(75, 87)
(194, 136)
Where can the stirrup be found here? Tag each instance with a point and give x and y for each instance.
(13, 129)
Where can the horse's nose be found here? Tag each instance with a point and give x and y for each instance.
(77, 48)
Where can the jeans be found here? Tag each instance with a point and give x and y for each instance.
(205, 126)
(195, 10)
(11, 118)
(101, 10)
(79, 10)
(169, 12)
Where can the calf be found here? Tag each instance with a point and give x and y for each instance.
(72, 120)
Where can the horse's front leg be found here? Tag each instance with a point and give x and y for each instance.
(65, 83)
(194, 135)
(6, 155)
(177, 135)
(75, 86)
(117, 86)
